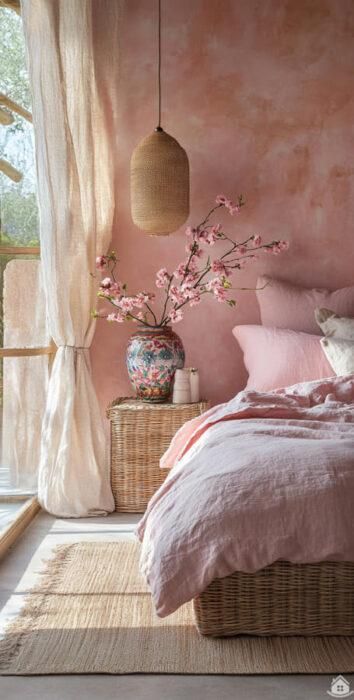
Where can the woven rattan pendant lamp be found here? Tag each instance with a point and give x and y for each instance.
(159, 176)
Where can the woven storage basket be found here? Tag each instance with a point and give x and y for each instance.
(159, 181)
(140, 434)
(281, 599)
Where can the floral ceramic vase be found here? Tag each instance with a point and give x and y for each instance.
(153, 355)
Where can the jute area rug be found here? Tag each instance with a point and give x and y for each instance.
(92, 613)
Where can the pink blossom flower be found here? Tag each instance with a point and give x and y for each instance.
(140, 300)
(218, 267)
(193, 266)
(195, 299)
(189, 280)
(221, 199)
(276, 247)
(175, 315)
(209, 237)
(241, 250)
(126, 304)
(115, 289)
(106, 283)
(220, 294)
(162, 277)
(233, 208)
(105, 293)
(176, 295)
(186, 291)
(202, 235)
(190, 231)
(215, 283)
(101, 262)
(118, 317)
(180, 270)
(256, 241)
(194, 249)
(284, 245)
(163, 273)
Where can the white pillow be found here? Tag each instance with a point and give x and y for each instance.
(335, 326)
(340, 354)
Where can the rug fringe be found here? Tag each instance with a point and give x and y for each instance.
(34, 605)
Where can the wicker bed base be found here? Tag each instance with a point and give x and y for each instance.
(282, 599)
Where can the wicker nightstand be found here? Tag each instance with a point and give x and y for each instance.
(140, 434)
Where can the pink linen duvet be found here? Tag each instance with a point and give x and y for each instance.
(260, 478)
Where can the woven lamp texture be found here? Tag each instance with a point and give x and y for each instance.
(159, 179)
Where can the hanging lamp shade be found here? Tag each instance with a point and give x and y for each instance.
(159, 180)
(159, 175)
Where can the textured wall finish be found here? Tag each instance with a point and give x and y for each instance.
(261, 96)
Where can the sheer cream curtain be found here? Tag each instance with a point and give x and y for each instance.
(72, 48)
(25, 379)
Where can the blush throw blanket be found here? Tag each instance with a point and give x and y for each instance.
(260, 478)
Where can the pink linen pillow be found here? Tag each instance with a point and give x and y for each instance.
(276, 358)
(283, 305)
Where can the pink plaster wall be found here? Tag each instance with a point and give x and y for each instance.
(261, 95)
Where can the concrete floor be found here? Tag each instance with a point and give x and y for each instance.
(18, 571)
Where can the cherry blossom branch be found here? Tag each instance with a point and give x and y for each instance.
(190, 281)
(152, 313)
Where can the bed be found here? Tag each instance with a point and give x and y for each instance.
(261, 540)
(281, 599)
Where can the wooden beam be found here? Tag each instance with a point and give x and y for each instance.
(9, 170)
(6, 117)
(27, 352)
(19, 250)
(12, 532)
(13, 497)
(14, 106)
(14, 5)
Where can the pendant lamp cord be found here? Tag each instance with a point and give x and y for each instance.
(159, 65)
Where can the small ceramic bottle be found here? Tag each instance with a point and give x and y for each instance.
(194, 382)
(182, 387)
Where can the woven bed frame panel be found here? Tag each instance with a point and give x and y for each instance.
(281, 599)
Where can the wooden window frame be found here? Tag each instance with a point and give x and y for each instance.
(31, 506)
(24, 352)
(10, 534)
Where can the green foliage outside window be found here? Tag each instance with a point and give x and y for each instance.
(19, 224)
(18, 204)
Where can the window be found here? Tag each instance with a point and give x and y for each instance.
(25, 347)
